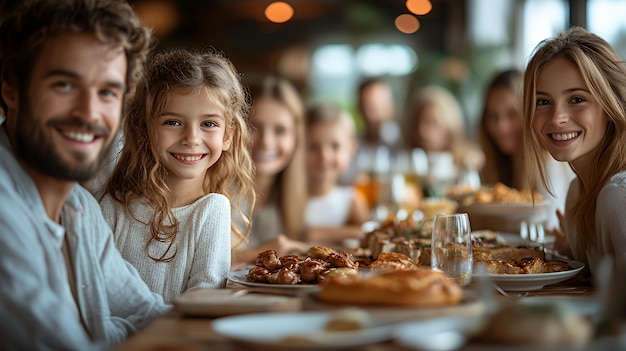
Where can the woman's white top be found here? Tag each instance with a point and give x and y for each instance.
(610, 225)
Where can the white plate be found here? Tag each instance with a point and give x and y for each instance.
(526, 282)
(437, 333)
(508, 210)
(240, 277)
(583, 305)
(302, 330)
(226, 302)
(419, 335)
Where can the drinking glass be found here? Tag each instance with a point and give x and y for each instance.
(451, 247)
(408, 169)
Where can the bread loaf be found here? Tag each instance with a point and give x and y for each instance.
(421, 287)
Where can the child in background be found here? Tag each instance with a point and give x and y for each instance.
(185, 156)
(277, 120)
(434, 123)
(333, 212)
(574, 108)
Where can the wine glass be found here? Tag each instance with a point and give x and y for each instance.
(451, 247)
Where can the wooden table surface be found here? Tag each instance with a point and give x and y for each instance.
(174, 331)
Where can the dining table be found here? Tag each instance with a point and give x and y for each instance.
(178, 330)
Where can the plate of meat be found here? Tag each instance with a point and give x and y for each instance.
(240, 278)
(295, 272)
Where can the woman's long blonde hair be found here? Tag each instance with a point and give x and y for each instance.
(290, 188)
(604, 74)
(139, 174)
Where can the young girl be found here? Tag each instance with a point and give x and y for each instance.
(277, 120)
(500, 135)
(333, 212)
(185, 155)
(575, 109)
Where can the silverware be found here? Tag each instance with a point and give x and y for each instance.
(532, 231)
(559, 290)
(510, 294)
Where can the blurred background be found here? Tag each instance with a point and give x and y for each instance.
(326, 47)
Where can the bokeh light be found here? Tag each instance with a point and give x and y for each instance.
(419, 7)
(407, 24)
(279, 12)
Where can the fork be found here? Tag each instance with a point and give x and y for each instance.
(511, 295)
(532, 231)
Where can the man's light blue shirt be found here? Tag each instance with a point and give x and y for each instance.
(36, 312)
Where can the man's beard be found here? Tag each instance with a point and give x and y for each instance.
(36, 148)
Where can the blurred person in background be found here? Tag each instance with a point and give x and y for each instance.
(375, 102)
(369, 167)
(500, 135)
(434, 123)
(334, 212)
(278, 153)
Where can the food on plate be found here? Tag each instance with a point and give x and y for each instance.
(537, 324)
(502, 194)
(411, 239)
(505, 252)
(338, 272)
(348, 319)
(269, 260)
(432, 206)
(403, 236)
(292, 270)
(283, 275)
(526, 265)
(311, 268)
(421, 287)
(388, 261)
(320, 252)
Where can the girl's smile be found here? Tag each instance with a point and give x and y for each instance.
(568, 120)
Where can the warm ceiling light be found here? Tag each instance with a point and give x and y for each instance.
(279, 12)
(407, 24)
(419, 7)
(160, 15)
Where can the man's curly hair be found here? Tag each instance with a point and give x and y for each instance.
(24, 31)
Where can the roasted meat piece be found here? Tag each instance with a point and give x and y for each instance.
(320, 252)
(342, 260)
(284, 276)
(268, 259)
(258, 275)
(310, 269)
(291, 262)
(337, 273)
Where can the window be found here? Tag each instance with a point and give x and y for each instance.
(605, 18)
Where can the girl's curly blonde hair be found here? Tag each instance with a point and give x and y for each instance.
(139, 174)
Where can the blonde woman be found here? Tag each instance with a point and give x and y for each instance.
(574, 109)
(280, 182)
